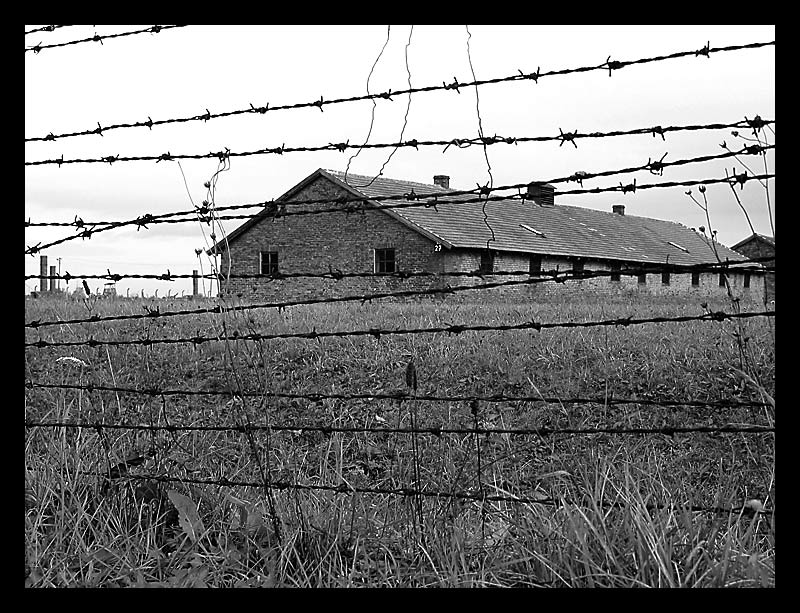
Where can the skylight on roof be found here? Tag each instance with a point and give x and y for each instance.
(529, 229)
(678, 246)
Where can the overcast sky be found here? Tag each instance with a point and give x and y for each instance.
(185, 71)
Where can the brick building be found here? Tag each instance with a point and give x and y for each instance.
(532, 235)
(760, 246)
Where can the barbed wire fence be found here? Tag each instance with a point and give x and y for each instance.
(265, 399)
(97, 38)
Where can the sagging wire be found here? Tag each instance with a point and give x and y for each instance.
(488, 188)
(405, 120)
(374, 103)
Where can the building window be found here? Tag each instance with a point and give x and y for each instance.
(384, 260)
(487, 261)
(577, 266)
(722, 279)
(747, 279)
(615, 274)
(535, 265)
(695, 279)
(642, 278)
(269, 262)
(664, 278)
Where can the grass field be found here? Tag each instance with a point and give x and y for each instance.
(605, 509)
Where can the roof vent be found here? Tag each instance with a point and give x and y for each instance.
(619, 209)
(542, 194)
(442, 181)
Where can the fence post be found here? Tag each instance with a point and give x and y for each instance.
(194, 283)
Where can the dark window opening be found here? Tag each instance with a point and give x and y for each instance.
(269, 262)
(747, 279)
(577, 266)
(695, 279)
(722, 277)
(642, 278)
(615, 274)
(665, 278)
(535, 266)
(384, 260)
(487, 261)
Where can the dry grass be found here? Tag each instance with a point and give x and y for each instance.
(602, 531)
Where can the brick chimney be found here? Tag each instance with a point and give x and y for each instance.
(619, 209)
(52, 281)
(442, 181)
(542, 194)
(43, 272)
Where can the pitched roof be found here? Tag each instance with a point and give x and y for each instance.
(770, 240)
(523, 226)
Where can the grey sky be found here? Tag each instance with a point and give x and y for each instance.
(183, 72)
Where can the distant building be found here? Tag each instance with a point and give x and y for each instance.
(110, 290)
(760, 246)
(532, 235)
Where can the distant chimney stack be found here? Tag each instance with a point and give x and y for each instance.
(542, 194)
(43, 272)
(442, 181)
(52, 281)
(619, 209)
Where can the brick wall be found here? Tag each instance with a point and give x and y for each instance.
(756, 248)
(329, 241)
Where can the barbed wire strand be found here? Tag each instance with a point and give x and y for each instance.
(748, 265)
(432, 430)
(377, 333)
(411, 201)
(204, 213)
(99, 39)
(345, 488)
(46, 29)
(387, 95)
(480, 140)
(542, 277)
(402, 396)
